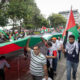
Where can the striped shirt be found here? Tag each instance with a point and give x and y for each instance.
(36, 64)
(3, 63)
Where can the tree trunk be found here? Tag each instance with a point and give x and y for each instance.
(13, 26)
(20, 27)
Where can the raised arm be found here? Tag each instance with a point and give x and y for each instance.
(27, 45)
(6, 64)
(45, 42)
(50, 56)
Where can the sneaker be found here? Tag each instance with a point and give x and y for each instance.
(74, 78)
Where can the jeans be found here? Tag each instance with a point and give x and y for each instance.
(54, 64)
(50, 73)
(2, 74)
(59, 52)
(50, 70)
(74, 66)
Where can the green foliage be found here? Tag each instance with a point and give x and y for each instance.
(28, 11)
(16, 9)
(40, 21)
(25, 10)
(3, 17)
(56, 20)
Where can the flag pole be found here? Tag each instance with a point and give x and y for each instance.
(71, 7)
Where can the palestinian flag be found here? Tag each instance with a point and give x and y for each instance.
(78, 28)
(4, 33)
(8, 47)
(71, 26)
(46, 30)
(42, 31)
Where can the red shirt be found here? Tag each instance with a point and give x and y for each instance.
(54, 53)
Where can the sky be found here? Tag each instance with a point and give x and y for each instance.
(47, 7)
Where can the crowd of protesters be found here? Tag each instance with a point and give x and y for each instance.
(44, 66)
(55, 48)
(10, 36)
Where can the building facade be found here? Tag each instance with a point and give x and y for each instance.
(75, 13)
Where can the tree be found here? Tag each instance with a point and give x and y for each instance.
(2, 3)
(32, 11)
(40, 21)
(3, 17)
(3, 13)
(27, 11)
(16, 10)
(56, 20)
(3, 20)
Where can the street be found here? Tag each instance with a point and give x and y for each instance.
(20, 67)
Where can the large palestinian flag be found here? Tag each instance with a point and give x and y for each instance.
(71, 26)
(18, 44)
(8, 47)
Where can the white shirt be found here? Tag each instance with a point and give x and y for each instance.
(3, 63)
(55, 45)
(59, 43)
(51, 49)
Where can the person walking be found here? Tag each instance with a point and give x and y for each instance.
(72, 54)
(55, 50)
(59, 47)
(38, 67)
(3, 64)
(51, 58)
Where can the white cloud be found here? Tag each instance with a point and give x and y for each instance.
(48, 7)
